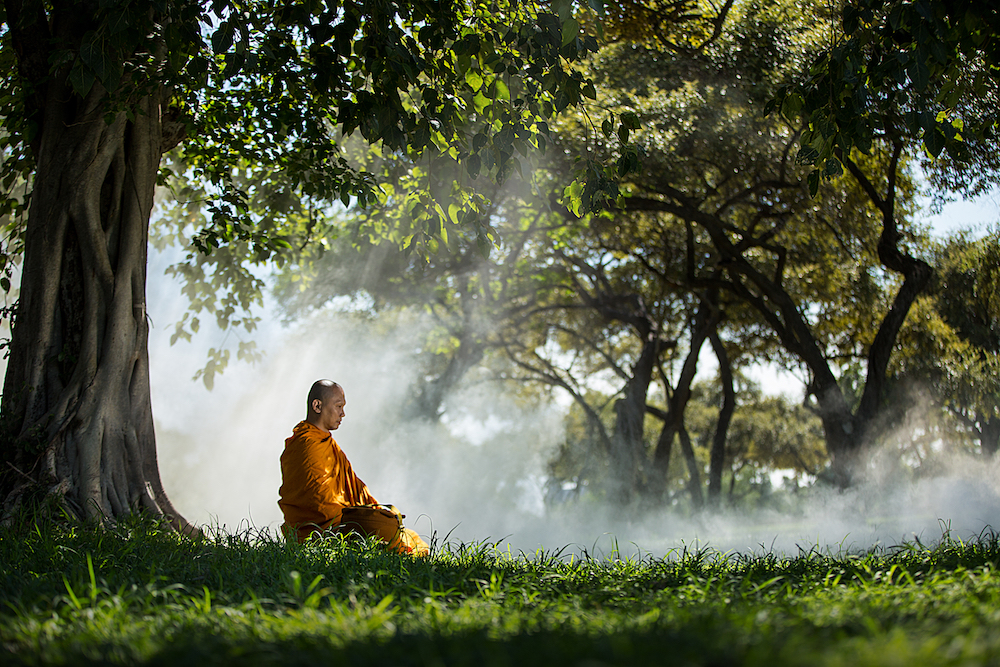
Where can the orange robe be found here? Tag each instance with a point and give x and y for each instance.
(318, 482)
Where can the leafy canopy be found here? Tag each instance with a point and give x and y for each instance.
(272, 90)
(920, 71)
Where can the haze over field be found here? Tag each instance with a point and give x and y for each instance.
(484, 480)
(481, 476)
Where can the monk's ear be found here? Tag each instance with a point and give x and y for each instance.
(317, 405)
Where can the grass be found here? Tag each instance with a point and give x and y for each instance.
(136, 593)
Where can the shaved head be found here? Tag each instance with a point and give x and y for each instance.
(325, 405)
(321, 390)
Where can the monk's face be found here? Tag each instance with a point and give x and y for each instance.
(330, 410)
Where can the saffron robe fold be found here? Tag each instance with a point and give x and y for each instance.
(318, 482)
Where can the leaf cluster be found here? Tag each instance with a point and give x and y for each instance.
(900, 71)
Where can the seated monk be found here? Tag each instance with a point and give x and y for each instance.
(318, 482)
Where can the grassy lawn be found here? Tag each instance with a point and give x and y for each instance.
(138, 594)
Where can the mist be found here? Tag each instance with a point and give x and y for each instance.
(479, 476)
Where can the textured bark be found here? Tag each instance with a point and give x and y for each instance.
(76, 417)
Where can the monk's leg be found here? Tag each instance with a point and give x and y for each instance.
(386, 525)
(411, 543)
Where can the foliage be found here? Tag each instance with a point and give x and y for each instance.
(952, 347)
(428, 202)
(774, 433)
(138, 594)
(265, 95)
(925, 71)
(968, 289)
(718, 204)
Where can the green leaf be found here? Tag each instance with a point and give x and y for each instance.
(473, 164)
(97, 54)
(850, 19)
(484, 245)
(222, 38)
(792, 105)
(631, 120)
(807, 155)
(481, 102)
(920, 74)
(813, 181)
(570, 29)
(564, 8)
(81, 78)
(118, 21)
(934, 141)
(474, 79)
(501, 90)
(572, 195)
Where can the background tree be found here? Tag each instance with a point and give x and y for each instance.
(951, 349)
(101, 90)
(749, 199)
(902, 75)
(719, 207)
(968, 298)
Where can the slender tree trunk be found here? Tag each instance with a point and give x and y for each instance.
(76, 416)
(717, 456)
(627, 441)
(694, 472)
(989, 437)
(705, 321)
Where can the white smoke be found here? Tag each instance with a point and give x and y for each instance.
(480, 475)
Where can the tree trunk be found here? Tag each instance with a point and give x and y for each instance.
(989, 437)
(627, 441)
(706, 320)
(694, 474)
(717, 456)
(76, 415)
(430, 394)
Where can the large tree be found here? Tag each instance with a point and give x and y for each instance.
(96, 93)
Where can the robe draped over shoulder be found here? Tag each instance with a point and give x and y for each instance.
(317, 482)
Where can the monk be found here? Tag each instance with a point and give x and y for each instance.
(318, 484)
